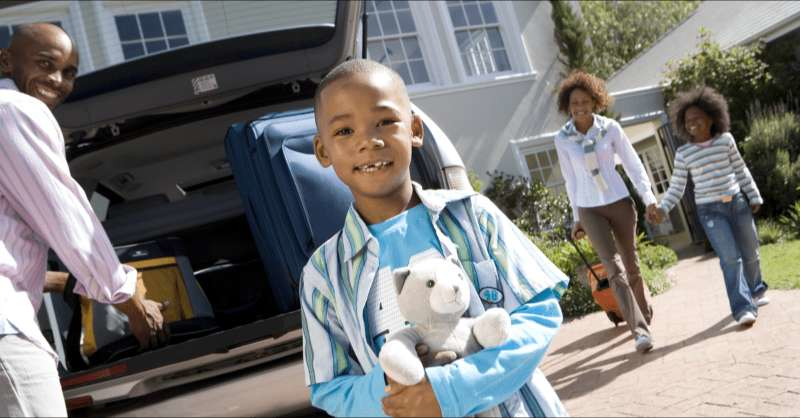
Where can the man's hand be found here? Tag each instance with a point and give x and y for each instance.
(577, 231)
(756, 207)
(411, 401)
(144, 317)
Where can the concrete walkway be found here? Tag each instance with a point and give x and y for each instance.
(703, 363)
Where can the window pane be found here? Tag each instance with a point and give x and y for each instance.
(388, 23)
(543, 160)
(370, 6)
(376, 52)
(5, 36)
(373, 29)
(457, 15)
(173, 23)
(406, 22)
(178, 42)
(155, 46)
(495, 39)
(468, 64)
(473, 14)
(127, 28)
(532, 163)
(132, 50)
(395, 51)
(383, 5)
(402, 69)
(489, 15)
(412, 47)
(501, 60)
(553, 157)
(400, 5)
(419, 71)
(151, 25)
(462, 38)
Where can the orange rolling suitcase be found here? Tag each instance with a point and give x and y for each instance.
(601, 288)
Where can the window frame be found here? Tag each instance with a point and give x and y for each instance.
(512, 41)
(193, 19)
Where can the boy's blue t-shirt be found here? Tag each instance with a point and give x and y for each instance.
(407, 237)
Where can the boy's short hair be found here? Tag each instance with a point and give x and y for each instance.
(352, 67)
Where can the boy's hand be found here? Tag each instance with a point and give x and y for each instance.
(411, 401)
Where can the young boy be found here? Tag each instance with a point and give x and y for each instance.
(366, 131)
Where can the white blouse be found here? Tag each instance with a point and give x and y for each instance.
(581, 188)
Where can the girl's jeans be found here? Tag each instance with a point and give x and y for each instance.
(732, 232)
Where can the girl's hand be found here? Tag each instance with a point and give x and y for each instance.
(755, 207)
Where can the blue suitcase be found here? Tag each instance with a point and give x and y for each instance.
(292, 203)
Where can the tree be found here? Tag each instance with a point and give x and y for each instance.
(619, 30)
(737, 73)
(570, 35)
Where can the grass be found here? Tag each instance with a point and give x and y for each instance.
(779, 265)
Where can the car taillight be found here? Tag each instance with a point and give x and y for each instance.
(112, 371)
(79, 402)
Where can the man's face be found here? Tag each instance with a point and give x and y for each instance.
(366, 132)
(43, 66)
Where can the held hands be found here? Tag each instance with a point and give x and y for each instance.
(654, 214)
(411, 401)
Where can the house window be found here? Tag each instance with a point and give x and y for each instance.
(392, 40)
(149, 33)
(477, 32)
(657, 169)
(7, 30)
(543, 167)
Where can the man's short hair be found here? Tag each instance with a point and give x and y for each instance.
(352, 67)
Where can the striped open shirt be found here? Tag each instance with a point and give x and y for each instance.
(340, 364)
(42, 206)
(717, 170)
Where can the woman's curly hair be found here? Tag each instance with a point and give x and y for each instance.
(594, 86)
(706, 99)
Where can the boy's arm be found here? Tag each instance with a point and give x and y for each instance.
(743, 176)
(489, 377)
(338, 384)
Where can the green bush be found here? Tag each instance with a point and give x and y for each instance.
(772, 153)
(770, 232)
(792, 220)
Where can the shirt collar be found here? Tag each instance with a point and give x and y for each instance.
(357, 235)
(570, 130)
(7, 83)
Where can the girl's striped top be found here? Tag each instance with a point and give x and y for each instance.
(717, 170)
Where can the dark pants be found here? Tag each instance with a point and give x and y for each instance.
(612, 232)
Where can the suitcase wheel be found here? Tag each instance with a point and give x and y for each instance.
(613, 318)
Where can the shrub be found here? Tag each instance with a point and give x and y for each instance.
(792, 220)
(738, 73)
(770, 232)
(772, 153)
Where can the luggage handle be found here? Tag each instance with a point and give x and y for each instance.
(580, 253)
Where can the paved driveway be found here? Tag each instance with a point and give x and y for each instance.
(703, 363)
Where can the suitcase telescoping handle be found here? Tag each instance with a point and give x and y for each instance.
(580, 253)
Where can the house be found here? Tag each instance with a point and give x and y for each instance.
(484, 70)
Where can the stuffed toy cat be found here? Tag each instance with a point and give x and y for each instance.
(432, 295)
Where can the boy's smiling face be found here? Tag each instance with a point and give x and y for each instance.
(366, 131)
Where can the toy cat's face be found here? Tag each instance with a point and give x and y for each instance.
(432, 289)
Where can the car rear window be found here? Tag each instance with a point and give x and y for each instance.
(113, 32)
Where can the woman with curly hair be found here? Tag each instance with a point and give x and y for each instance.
(602, 207)
(725, 194)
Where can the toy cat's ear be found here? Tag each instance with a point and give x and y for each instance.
(400, 276)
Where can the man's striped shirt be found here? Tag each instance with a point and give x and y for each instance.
(717, 170)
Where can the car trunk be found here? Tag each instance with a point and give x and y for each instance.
(146, 143)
